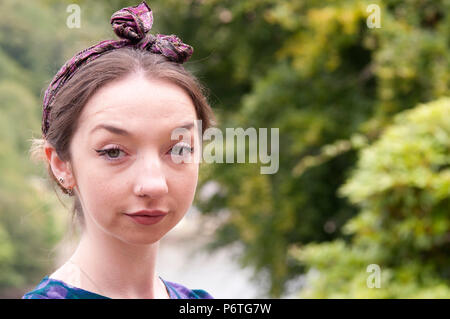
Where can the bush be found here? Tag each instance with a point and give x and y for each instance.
(401, 185)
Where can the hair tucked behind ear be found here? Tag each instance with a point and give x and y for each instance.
(115, 65)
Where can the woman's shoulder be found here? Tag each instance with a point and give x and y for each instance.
(50, 288)
(179, 291)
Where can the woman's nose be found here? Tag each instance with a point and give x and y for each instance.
(150, 178)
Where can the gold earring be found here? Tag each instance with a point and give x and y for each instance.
(69, 190)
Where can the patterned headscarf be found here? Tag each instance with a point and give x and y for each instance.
(132, 25)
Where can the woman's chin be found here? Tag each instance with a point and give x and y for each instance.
(140, 240)
(136, 237)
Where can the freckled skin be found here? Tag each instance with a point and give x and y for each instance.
(116, 257)
(108, 189)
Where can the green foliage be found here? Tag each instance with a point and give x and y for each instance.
(31, 220)
(330, 85)
(401, 184)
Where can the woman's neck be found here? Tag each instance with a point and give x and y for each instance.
(117, 269)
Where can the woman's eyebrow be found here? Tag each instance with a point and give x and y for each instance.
(121, 131)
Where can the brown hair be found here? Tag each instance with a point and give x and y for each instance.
(114, 65)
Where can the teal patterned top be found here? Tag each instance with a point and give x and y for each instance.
(50, 288)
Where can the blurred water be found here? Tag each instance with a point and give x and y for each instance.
(181, 259)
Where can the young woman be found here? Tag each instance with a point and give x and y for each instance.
(107, 126)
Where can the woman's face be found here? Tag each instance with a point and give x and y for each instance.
(113, 167)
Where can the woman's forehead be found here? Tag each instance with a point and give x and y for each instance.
(135, 127)
(172, 111)
(131, 132)
(134, 102)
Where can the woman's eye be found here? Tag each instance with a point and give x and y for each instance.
(111, 154)
(181, 149)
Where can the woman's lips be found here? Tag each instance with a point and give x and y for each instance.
(148, 212)
(145, 219)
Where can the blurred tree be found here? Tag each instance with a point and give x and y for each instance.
(31, 222)
(331, 78)
(28, 228)
(401, 185)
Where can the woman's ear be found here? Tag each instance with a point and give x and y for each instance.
(59, 167)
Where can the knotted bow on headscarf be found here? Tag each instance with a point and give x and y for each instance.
(132, 24)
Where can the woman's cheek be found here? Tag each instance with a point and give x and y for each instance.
(184, 187)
